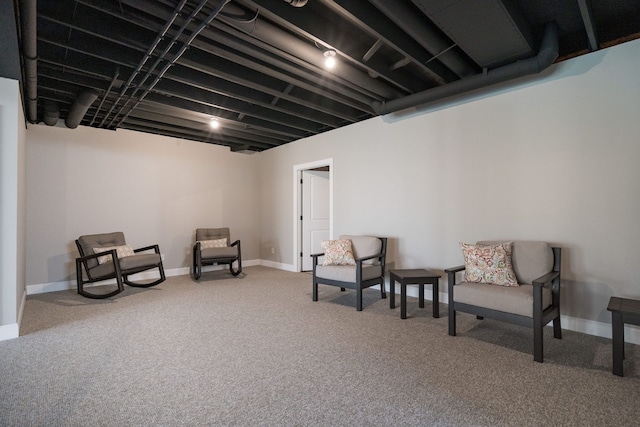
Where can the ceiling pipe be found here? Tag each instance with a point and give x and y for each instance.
(261, 29)
(546, 56)
(207, 21)
(143, 61)
(29, 19)
(51, 113)
(80, 107)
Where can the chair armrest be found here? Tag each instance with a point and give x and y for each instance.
(156, 248)
(236, 243)
(547, 279)
(380, 255)
(111, 252)
(454, 269)
(314, 260)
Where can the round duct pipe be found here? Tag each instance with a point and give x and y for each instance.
(80, 107)
(51, 113)
(296, 3)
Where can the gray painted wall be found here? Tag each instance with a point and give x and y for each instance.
(12, 208)
(154, 189)
(553, 159)
(550, 158)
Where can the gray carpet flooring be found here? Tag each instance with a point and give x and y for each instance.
(257, 351)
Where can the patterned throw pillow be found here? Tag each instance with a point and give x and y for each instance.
(121, 252)
(217, 243)
(489, 264)
(338, 252)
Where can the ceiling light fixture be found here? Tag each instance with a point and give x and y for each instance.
(330, 60)
(214, 123)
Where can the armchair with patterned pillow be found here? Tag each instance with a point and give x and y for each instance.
(516, 282)
(354, 262)
(214, 247)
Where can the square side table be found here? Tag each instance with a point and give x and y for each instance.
(418, 277)
(623, 310)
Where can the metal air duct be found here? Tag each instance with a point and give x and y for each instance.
(80, 107)
(546, 55)
(51, 113)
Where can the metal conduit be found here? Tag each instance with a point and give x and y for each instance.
(159, 37)
(262, 30)
(184, 48)
(546, 56)
(104, 98)
(160, 58)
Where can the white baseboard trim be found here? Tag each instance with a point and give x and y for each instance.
(278, 265)
(145, 275)
(590, 327)
(8, 332)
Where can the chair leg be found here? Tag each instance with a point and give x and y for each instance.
(359, 299)
(537, 342)
(452, 320)
(162, 278)
(238, 270)
(87, 294)
(315, 291)
(557, 330)
(383, 292)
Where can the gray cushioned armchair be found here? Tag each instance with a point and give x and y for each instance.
(534, 303)
(220, 252)
(96, 265)
(370, 257)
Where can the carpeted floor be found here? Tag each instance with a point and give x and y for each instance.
(256, 351)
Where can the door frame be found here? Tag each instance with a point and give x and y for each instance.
(297, 206)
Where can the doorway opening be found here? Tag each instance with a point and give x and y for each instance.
(312, 210)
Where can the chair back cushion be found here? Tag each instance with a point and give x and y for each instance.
(364, 246)
(530, 259)
(203, 234)
(90, 241)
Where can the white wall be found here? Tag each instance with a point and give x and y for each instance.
(155, 189)
(12, 208)
(553, 158)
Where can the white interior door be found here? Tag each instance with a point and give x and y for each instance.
(315, 214)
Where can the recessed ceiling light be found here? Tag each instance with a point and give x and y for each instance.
(214, 123)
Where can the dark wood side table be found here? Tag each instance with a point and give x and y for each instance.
(623, 310)
(418, 277)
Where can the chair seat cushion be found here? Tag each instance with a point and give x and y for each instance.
(509, 299)
(128, 263)
(347, 273)
(226, 252)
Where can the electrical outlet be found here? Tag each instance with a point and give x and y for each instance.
(273, 251)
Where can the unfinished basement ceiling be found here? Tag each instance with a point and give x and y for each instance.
(169, 67)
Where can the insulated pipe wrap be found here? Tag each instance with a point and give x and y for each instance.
(80, 107)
